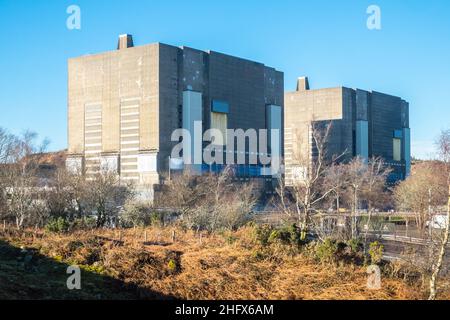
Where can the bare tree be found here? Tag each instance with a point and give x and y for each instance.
(356, 179)
(106, 197)
(307, 191)
(211, 201)
(21, 194)
(374, 189)
(59, 195)
(78, 189)
(20, 160)
(336, 180)
(8, 144)
(444, 150)
(231, 203)
(183, 193)
(421, 191)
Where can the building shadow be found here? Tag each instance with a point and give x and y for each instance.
(25, 274)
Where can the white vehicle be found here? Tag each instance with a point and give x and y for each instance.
(438, 221)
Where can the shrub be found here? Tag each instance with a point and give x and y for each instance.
(262, 234)
(376, 252)
(355, 245)
(267, 234)
(230, 239)
(84, 223)
(172, 265)
(280, 236)
(94, 268)
(219, 202)
(58, 225)
(157, 218)
(136, 214)
(326, 251)
(274, 236)
(295, 234)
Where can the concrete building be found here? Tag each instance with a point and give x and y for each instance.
(364, 123)
(124, 105)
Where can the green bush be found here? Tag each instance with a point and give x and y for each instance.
(355, 245)
(275, 235)
(376, 250)
(326, 251)
(172, 265)
(267, 234)
(295, 234)
(58, 225)
(136, 214)
(280, 236)
(157, 218)
(262, 234)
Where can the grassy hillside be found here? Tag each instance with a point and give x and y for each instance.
(147, 264)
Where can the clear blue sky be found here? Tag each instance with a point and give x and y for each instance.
(326, 40)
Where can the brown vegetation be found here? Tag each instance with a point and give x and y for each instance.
(200, 245)
(231, 265)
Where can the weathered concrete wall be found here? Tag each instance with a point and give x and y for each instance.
(303, 107)
(385, 118)
(344, 107)
(156, 75)
(107, 79)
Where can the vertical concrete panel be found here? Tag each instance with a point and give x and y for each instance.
(110, 102)
(168, 101)
(192, 112)
(407, 150)
(75, 106)
(362, 105)
(274, 122)
(362, 139)
(149, 112)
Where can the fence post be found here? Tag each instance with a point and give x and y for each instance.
(173, 235)
(4, 225)
(145, 236)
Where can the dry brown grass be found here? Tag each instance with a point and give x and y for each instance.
(219, 266)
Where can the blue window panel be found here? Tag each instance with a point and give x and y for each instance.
(220, 106)
(398, 134)
(254, 171)
(238, 170)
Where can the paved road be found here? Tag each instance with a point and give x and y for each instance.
(397, 248)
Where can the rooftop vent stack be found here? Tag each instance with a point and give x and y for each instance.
(125, 41)
(302, 84)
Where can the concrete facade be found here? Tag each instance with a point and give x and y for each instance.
(123, 105)
(364, 123)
